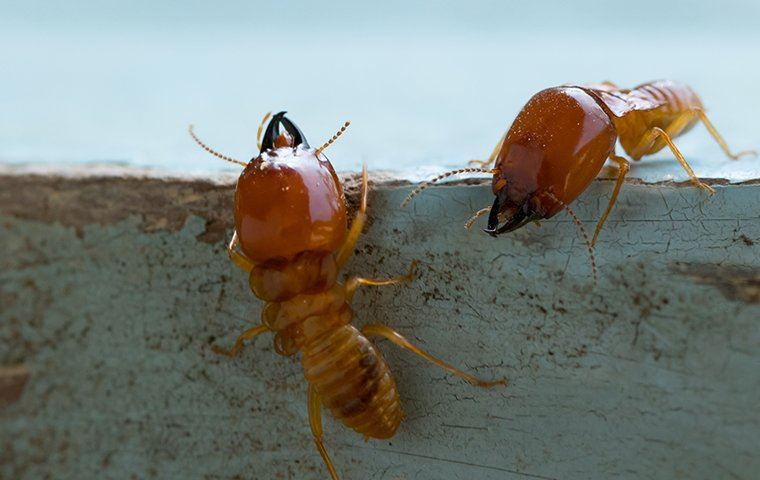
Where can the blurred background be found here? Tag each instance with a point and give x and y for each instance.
(427, 85)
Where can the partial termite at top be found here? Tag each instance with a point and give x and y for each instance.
(562, 138)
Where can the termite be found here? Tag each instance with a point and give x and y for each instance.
(291, 237)
(562, 138)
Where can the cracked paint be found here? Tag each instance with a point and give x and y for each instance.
(113, 290)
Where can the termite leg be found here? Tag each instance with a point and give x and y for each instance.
(492, 157)
(651, 141)
(355, 282)
(470, 221)
(396, 338)
(658, 132)
(651, 137)
(238, 258)
(315, 420)
(247, 335)
(345, 250)
(623, 168)
(718, 138)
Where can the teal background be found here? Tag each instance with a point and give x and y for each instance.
(427, 85)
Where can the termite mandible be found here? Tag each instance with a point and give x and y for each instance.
(291, 237)
(562, 138)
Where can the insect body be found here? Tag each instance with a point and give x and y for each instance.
(563, 136)
(291, 237)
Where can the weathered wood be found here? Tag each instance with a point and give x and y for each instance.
(114, 289)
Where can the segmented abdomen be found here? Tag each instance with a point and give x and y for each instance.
(669, 97)
(663, 104)
(353, 381)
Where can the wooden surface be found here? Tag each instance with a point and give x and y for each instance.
(113, 290)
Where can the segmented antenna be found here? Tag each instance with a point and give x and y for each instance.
(261, 129)
(430, 182)
(213, 152)
(334, 137)
(469, 223)
(578, 222)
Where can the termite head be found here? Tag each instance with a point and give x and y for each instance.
(553, 151)
(288, 199)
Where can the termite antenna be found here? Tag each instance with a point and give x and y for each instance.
(334, 137)
(578, 222)
(261, 129)
(212, 152)
(469, 223)
(440, 177)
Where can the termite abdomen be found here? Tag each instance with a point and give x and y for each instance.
(354, 381)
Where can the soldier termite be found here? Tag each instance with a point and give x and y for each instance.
(562, 138)
(291, 237)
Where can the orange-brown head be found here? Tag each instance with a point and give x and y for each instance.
(288, 199)
(555, 148)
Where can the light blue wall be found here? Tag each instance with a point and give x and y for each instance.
(426, 85)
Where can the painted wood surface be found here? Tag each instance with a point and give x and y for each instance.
(114, 289)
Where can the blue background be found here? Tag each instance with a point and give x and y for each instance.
(426, 85)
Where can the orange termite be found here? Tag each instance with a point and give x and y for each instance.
(562, 138)
(292, 235)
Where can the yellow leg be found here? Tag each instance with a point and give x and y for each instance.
(719, 139)
(658, 132)
(492, 157)
(395, 337)
(623, 168)
(648, 144)
(651, 142)
(355, 282)
(315, 420)
(471, 221)
(247, 335)
(345, 250)
(238, 258)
